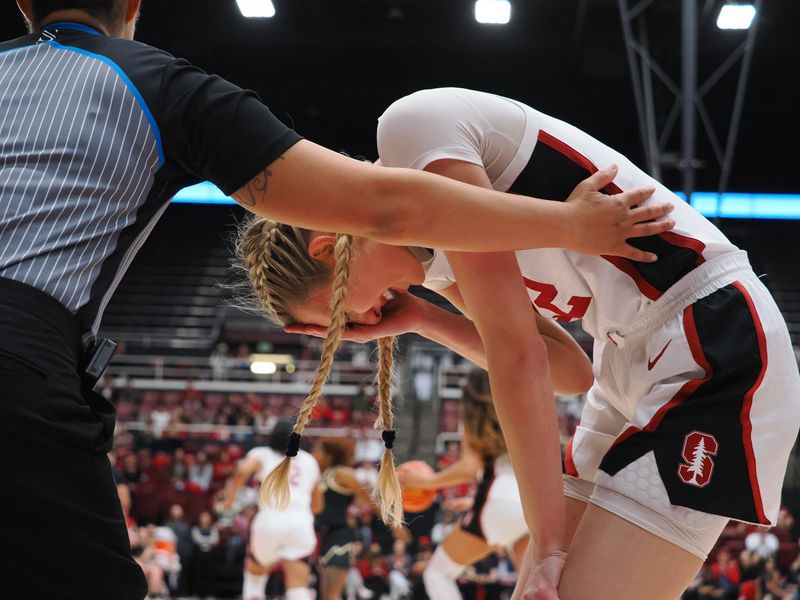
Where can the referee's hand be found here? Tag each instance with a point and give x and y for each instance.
(603, 223)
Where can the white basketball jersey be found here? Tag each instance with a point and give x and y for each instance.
(303, 475)
(505, 137)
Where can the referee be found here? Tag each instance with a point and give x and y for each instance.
(97, 133)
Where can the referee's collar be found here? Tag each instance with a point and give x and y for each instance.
(55, 27)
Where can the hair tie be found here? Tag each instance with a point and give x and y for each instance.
(293, 446)
(388, 438)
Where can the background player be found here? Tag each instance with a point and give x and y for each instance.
(693, 411)
(286, 537)
(496, 518)
(340, 489)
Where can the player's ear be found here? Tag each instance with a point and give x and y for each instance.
(321, 248)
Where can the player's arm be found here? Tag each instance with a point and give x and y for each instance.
(464, 470)
(520, 379)
(316, 188)
(346, 479)
(317, 498)
(245, 469)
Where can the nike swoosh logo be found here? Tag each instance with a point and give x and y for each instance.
(652, 363)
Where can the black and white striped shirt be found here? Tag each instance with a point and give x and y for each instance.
(96, 135)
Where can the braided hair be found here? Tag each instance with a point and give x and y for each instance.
(283, 274)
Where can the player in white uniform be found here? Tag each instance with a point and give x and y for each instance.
(694, 409)
(279, 536)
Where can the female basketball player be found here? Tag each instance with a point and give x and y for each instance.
(286, 537)
(340, 488)
(693, 410)
(496, 518)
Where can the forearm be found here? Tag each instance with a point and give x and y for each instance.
(454, 332)
(531, 433)
(458, 216)
(460, 335)
(460, 472)
(315, 188)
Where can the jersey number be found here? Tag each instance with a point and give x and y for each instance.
(548, 292)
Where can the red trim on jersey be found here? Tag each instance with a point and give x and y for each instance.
(690, 386)
(624, 265)
(747, 426)
(624, 436)
(566, 150)
(569, 464)
(677, 239)
(620, 263)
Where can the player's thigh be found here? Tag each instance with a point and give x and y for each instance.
(613, 558)
(296, 573)
(575, 511)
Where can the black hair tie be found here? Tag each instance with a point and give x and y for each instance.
(388, 438)
(293, 446)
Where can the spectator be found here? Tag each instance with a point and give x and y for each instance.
(775, 585)
(726, 573)
(374, 569)
(178, 471)
(764, 543)
(160, 418)
(399, 571)
(201, 472)
(205, 536)
(183, 544)
(220, 361)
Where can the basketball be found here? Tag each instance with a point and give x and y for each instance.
(417, 500)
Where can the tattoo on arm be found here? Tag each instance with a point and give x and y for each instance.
(255, 188)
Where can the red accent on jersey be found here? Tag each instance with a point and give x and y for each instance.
(548, 293)
(677, 239)
(747, 426)
(698, 448)
(623, 264)
(626, 266)
(652, 363)
(569, 464)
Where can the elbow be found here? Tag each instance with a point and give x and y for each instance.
(527, 357)
(577, 383)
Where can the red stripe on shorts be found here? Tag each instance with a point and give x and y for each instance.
(747, 426)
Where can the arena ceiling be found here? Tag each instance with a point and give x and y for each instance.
(330, 67)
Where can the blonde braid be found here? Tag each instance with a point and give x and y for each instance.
(387, 487)
(259, 256)
(275, 489)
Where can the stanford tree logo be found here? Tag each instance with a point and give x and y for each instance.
(698, 448)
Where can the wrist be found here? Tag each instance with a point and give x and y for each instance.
(426, 322)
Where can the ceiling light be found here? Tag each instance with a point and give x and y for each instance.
(495, 12)
(736, 16)
(256, 8)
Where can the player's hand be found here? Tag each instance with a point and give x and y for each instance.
(603, 223)
(410, 480)
(403, 314)
(542, 584)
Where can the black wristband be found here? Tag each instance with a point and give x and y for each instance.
(388, 438)
(293, 446)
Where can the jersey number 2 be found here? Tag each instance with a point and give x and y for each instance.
(548, 292)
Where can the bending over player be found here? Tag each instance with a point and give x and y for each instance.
(694, 408)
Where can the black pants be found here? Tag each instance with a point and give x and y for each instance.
(62, 524)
